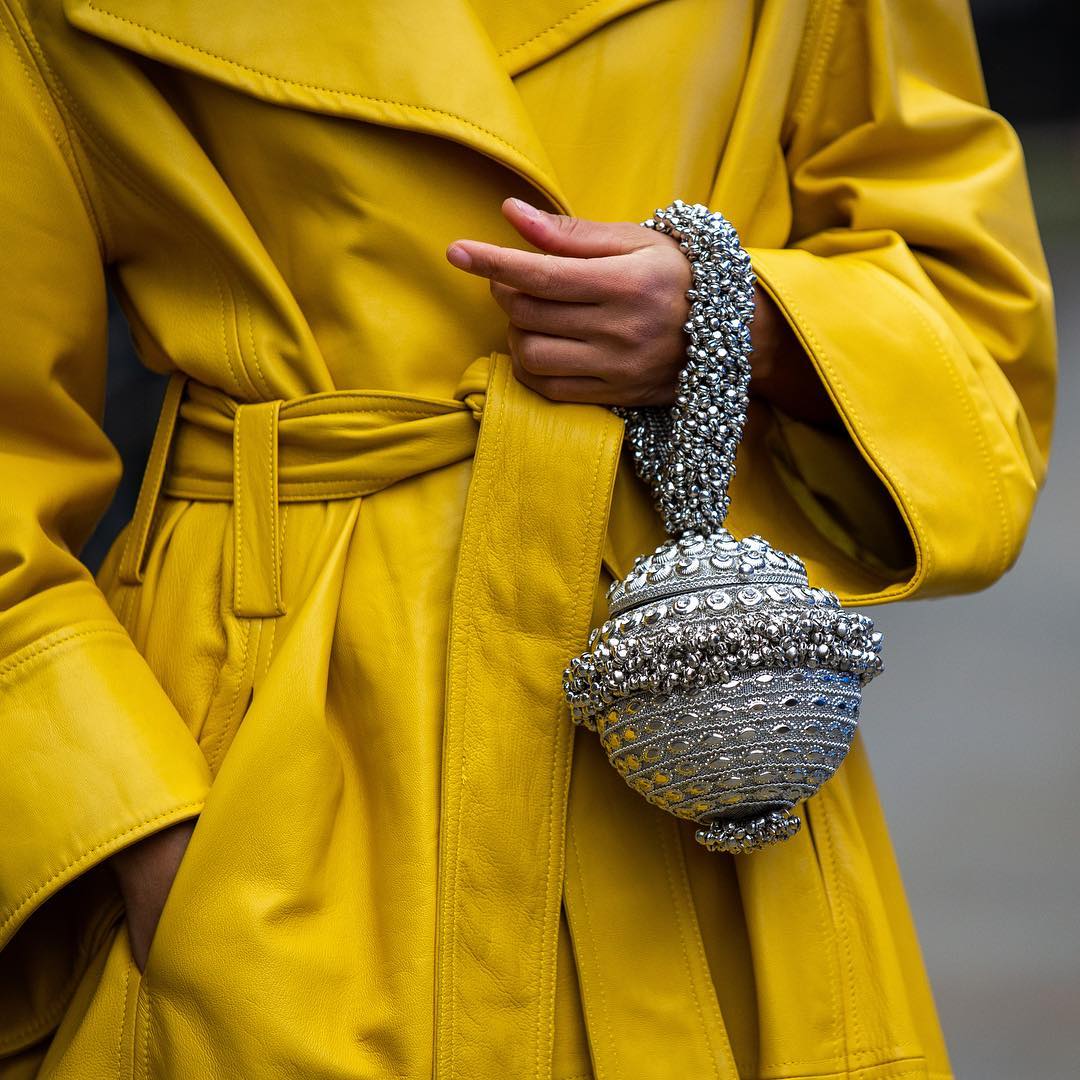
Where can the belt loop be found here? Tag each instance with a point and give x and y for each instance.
(131, 561)
(256, 540)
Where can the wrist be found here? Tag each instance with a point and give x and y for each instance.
(139, 866)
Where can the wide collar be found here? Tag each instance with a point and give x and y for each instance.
(443, 67)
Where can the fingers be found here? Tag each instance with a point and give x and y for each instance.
(582, 321)
(560, 234)
(562, 369)
(598, 318)
(584, 388)
(558, 368)
(550, 356)
(548, 276)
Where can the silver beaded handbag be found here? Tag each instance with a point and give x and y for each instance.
(724, 688)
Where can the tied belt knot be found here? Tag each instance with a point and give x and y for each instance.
(338, 444)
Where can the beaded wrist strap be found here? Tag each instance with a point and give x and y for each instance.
(686, 453)
(724, 688)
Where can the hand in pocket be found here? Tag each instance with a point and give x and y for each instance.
(145, 872)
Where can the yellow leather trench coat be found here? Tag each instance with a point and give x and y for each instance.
(336, 627)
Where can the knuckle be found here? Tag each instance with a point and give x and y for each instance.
(637, 326)
(519, 307)
(634, 285)
(555, 389)
(678, 309)
(631, 329)
(530, 354)
(569, 225)
(501, 294)
(521, 373)
(544, 388)
(513, 339)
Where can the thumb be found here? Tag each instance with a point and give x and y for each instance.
(560, 234)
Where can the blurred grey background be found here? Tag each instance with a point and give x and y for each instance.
(986, 829)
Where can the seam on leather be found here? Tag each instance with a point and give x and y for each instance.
(408, 106)
(380, 403)
(829, 951)
(605, 1026)
(147, 1020)
(290, 420)
(866, 1072)
(898, 1055)
(838, 900)
(977, 427)
(583, 600)
(274, 622)
(33, 652)
(460, 637)
(547, 29)
(13, 913)
(214, 752)
(664, 830)
(269, 651)
(120, 1040)
(94, 141)
(238, 518)
(65, 142)
(271, 468)
(818, 47)
(263, 381)
(347, 486)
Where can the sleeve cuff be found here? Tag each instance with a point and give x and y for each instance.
(919, 418)
(97, 758)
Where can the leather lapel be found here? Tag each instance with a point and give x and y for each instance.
(422, 65)
(524, 34)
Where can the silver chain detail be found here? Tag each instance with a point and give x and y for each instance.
(686, 453)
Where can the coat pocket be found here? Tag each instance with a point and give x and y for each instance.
(138, 1031)
(98, 1036)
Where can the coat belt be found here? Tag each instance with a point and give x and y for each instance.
(533, 533)
(332, 445)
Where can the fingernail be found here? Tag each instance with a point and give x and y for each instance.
(527, 209)
(457, 256)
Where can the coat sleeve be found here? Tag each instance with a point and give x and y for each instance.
(915, 280)
(94, 755)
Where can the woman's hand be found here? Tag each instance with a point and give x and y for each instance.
(598, 316)
(145, 872)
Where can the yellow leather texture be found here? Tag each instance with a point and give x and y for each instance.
(336, 628)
